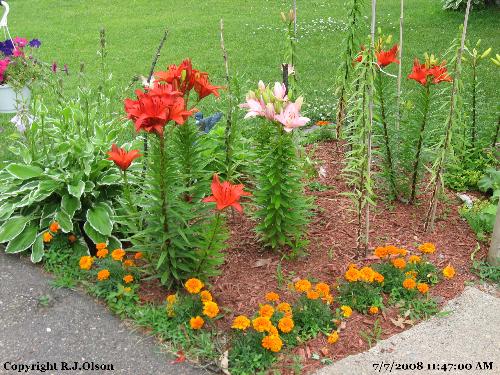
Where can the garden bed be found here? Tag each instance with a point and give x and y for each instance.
(249, 271)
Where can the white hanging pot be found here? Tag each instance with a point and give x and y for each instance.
(12, 101)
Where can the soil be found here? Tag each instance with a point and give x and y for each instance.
(249, 271)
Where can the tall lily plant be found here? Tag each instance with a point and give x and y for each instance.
(282, 207)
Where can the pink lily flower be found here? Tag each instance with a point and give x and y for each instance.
(255, 107)
(280, 91)
(290, 116)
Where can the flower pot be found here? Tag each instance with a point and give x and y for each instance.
(10, 101)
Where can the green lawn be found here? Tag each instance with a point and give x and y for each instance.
(69, 30)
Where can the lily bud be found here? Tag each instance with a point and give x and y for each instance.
(486, 53)
(283, 17)
(291, 15)
(389, 39)
(262, 86)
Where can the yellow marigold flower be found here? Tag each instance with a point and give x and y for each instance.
(367, 274)
(285, 325)
(72, 238)
(449, 272)
(427, 248)
(311, 294)
(128, 279)
(127, 289)
(102, 253)
(206, 296)
(47, 237)
(101, 245)
(194, 286)
(86, 262)
(171, 299)
(412, 274)
(272, 297)
(272, 343)
(393, 250)
(261, 324)
(54, 226)
(118, 254)
(409, 284)
(423, 288)
(346, 311)
(241, 322)
(399, 263)
(196, 322)
(373, 310)
(302, 285)
(378, 277)
(323, 289)
(138, 255)
(284, 307)
(210, 309)
(328, 299)
(128, 263)
(266, 311)
(414, 259)
(381, 252)
(352, 274)
(103, 275)
(333, 337)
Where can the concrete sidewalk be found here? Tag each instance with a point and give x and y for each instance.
(74, 328)
(468, 337)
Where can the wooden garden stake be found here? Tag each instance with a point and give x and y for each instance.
(431, 213)
(229, 122)
(400, 68)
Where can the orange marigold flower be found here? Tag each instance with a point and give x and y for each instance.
(399, 263)
(210, 309)
(423, 288)
(328, 299)
(378, 277)
(194, 285)
(346, 311)
(241, 322)
(86, 262)
(272, 343)
(409, 284)
(286, 325)
(284, 307)
(302, 285)
(72, 238)
(171, 299)
(128, 263)
(414, 259)
(266, 311)
(54, 226)
(381, 252)
(393, 250)
(333, 337)
(128, 279)
(101, 245)
(449, 272)
(118, 254)
(196, 322)
(103, 275)
(352, 274)
(273, 330)
(373, 310)
(402, 252)
(311, 294)
(412, 274)
(102, 253)
(261, 324)
(272, 297)
(323, 289)
(322, 123)
(367, 274)
(127, 289)
(427, 248)
(206, 296)
(47, 237)
(138, 255)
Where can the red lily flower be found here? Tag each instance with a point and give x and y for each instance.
(121, 157)
(204, 88)
(155, 107)
(440, 73)
(226, 194)
(385, 58)
(419, 72)
(360, 54)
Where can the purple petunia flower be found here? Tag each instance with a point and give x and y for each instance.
(35, 43)
(54, 67)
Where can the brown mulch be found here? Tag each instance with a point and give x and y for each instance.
(249, 271)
